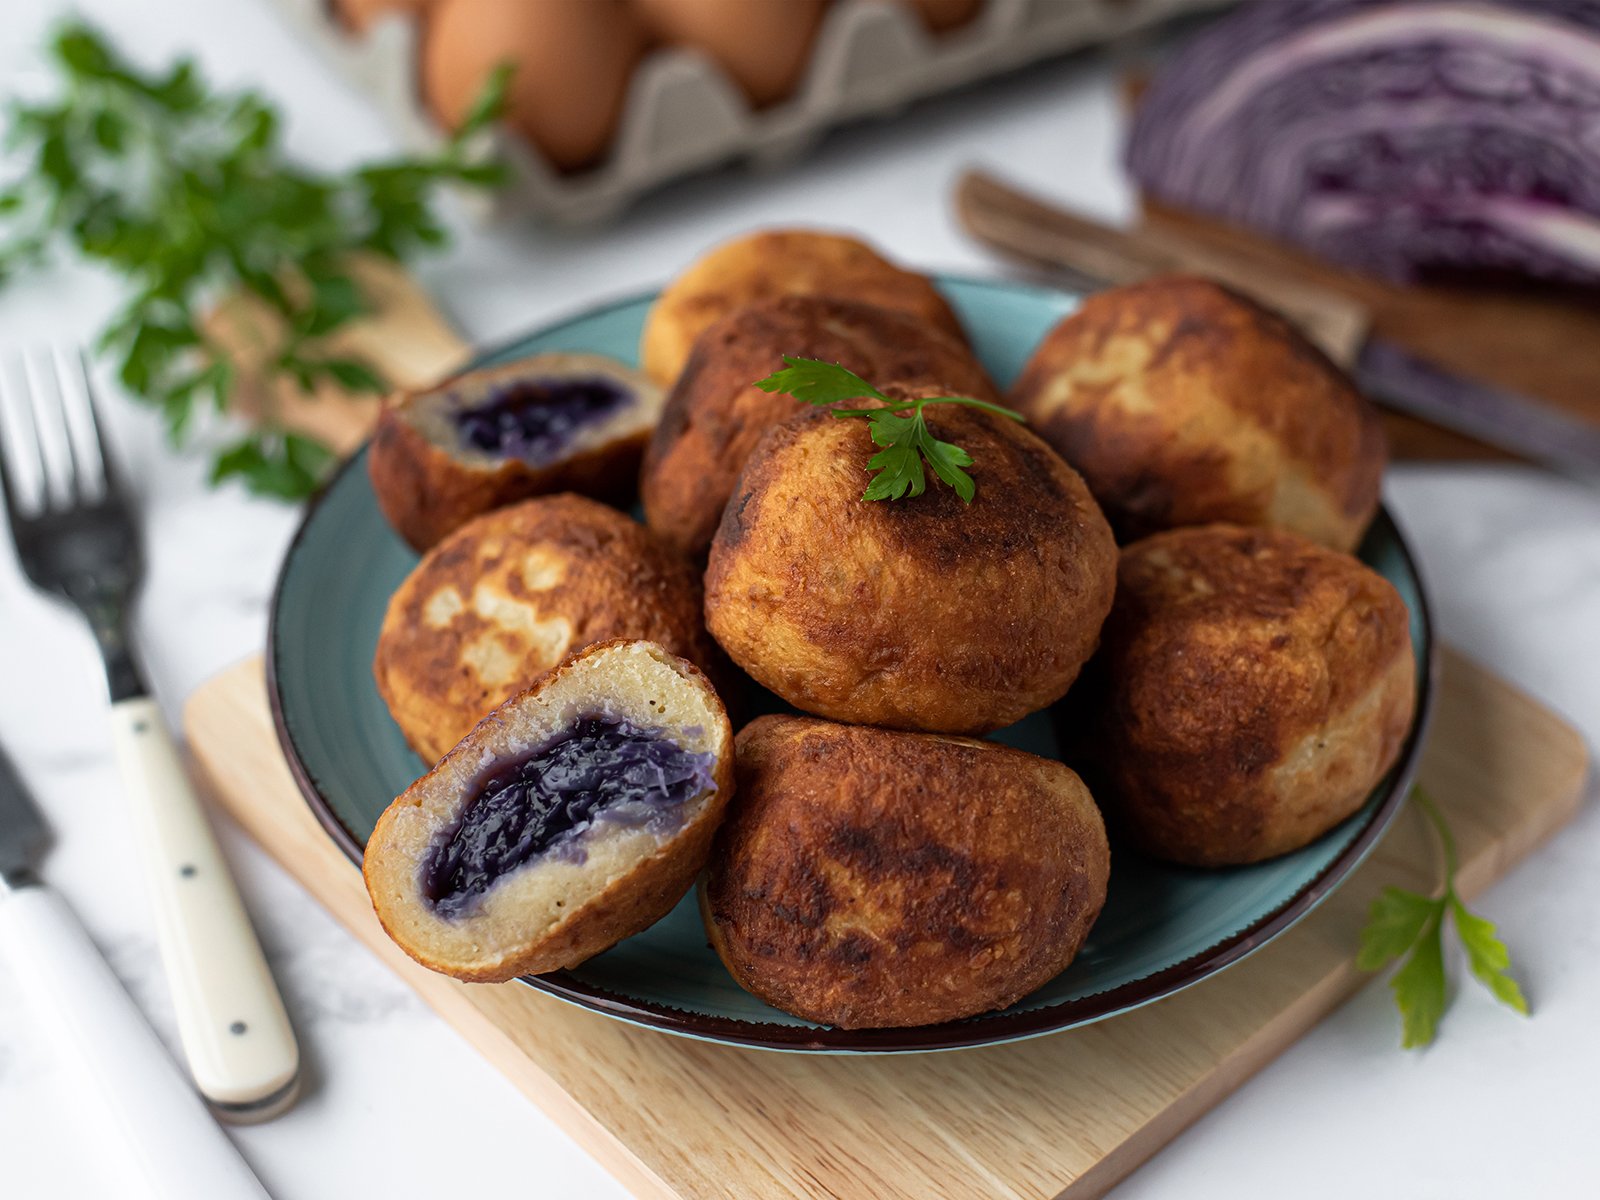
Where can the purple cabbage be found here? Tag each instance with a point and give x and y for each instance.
(1435, 139)
(602, 770)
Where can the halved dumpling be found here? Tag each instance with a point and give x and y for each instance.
(575, 815)
(490, 437)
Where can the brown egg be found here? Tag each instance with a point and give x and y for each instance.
(573, 61)
(357, 15)
(763, 45)
(940, 15)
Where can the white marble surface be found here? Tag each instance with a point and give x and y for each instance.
(397, 1104)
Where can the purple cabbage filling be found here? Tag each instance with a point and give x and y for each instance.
(602, 770)
(534, 420)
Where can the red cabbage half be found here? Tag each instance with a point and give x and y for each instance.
(1420, 140)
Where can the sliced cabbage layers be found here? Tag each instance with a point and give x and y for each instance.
(1412, 140)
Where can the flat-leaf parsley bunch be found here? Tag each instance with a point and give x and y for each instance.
(898, 426)
(186, 194)
(1400, 922)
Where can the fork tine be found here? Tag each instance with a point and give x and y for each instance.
(13, 501)
(25, 421)
(94, 477)
(50, 489)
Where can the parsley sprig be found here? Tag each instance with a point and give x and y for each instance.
(898, 426)
(186, 193)
(1401, 921)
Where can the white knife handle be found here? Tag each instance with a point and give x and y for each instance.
(236, 1035)
(170, 1138)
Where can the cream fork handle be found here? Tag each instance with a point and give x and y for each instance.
(236, 1035)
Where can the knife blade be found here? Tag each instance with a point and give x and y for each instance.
(1536, 431)
(1096, 255)
(24, 837)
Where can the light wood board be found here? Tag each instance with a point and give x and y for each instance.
(1063, 1116)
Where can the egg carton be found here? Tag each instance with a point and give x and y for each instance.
(683, 114)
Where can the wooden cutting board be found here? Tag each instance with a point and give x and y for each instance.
(1062, 1116)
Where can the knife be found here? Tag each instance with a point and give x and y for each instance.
(172, 1146)
(1095, 256)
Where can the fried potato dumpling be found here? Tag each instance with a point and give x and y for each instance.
(490, 437)
(779, 262)
(577, 817)
(506, 597)
(715, 414)
(1183, 403)
(1256, 687)
(867, 878)
(920, 613)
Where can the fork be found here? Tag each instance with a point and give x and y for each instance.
(76, 541)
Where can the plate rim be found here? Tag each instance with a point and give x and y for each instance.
(971, 1032)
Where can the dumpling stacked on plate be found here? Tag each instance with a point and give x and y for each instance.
(871, 863)
(1183, 403)
(1253, 688)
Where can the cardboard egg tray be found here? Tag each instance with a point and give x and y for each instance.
(683, 114)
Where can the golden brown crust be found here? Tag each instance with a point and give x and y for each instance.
(426, 491)
(1184, 403)
(503, 599)
(593, 923)
(715, 414)
(922, 613)
(867, 878)
(1256, 687)
(779, 262)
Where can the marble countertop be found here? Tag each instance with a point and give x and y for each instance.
(396, 1103)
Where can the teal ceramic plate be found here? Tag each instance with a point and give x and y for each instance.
(1163, 927)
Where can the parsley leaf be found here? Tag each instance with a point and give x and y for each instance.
(896, 425)
(947, 459)
(1394, 924)
(1406, 923)
(1488, 957)
(187, 194)
(898, 465)
(1419, 987)
(812, 381)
